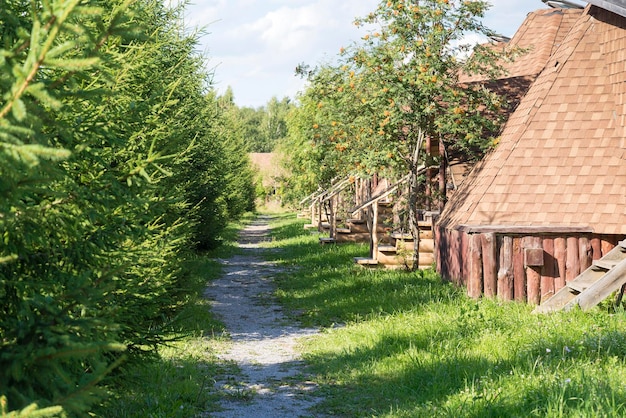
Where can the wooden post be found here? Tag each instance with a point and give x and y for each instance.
(443, 165)
(490, 265)
(333, 216)
(572, 264)
(475, 285)
(533, 273)
(375, 231)
(519, 275)
(505, 274)
(560, 253)
(548, 271)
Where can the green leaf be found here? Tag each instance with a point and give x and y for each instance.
(19, 110)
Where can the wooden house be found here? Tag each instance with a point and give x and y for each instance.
(551, 198)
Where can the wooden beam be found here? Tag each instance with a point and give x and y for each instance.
(524, 229)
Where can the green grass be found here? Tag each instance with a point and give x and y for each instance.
(405, 344)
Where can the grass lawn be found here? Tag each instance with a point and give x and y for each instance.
(406, 344)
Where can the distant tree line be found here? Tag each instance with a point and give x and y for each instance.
(261, 128)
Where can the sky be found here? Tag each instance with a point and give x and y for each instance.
(254, 46)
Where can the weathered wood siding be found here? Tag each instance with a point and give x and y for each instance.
(521, 267)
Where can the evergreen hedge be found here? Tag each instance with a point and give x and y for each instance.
(112, 167)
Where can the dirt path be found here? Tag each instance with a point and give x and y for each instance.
(264, 344)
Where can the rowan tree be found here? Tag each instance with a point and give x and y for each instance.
(400, 85)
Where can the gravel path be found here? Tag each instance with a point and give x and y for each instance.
(264, 344)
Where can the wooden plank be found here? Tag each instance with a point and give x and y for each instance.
(475, 285)
(604, 264)
(560, 252)
(572, 268)
(519, 273)
(365, 261)
(548, 271)
(490, 265)
(505, 273)
(585, 280)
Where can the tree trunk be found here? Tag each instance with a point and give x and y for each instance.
(413, 195)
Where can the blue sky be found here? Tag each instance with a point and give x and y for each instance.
(254, 45)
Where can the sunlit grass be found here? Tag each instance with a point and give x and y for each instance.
(402, 344)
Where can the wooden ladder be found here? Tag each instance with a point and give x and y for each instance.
(593, 285)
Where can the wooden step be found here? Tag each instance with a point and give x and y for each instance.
(353, 237)
(387, 248)
(394, 259)
(327, 240)
(584, 282)
(343, 230)
(604, 264)
(427, 245)
(424, 234)
(365, 261)
(310, 226)
(358, 227)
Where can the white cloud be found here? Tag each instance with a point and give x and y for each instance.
(255, 45)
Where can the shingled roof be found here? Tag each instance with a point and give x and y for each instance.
(539, 35)
(561, 160)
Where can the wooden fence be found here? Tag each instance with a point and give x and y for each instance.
(524, 264)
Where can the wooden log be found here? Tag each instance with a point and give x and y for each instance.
(533, 273)
(505, 273)
(490, 265)
(519, 274)
(548, 271)
(596, 246)
(560, 253)
(585, 253)
(572, 263)
(475, 285)
(464, 260)
(606, 245)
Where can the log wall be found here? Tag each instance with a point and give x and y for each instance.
(516, 266)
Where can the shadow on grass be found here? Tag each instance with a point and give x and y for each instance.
(484, 358)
